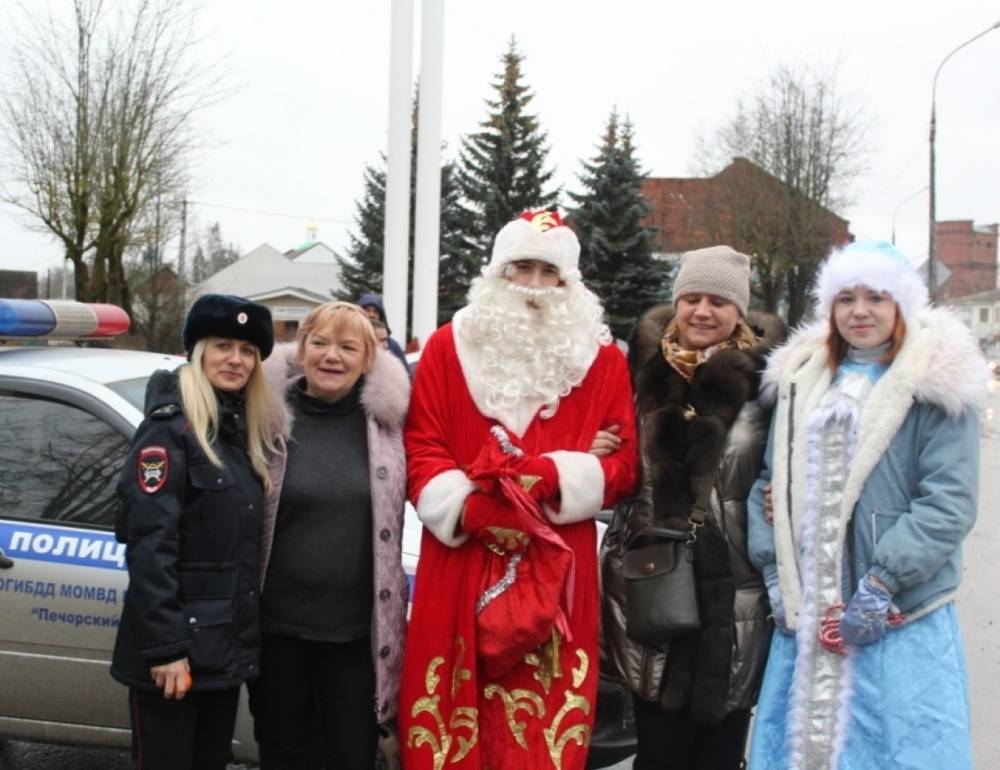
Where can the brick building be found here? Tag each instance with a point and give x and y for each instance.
(690, 213)
(970, 254)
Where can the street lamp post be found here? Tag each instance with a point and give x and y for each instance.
(931, 245)
(902, 203)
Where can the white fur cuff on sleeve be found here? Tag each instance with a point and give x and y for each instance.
(440, 505)
(581, 486)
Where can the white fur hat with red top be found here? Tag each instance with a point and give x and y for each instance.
(540, 235)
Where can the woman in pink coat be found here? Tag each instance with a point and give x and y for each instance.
(333, 604)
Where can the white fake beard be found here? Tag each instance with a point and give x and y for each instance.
(538, 351)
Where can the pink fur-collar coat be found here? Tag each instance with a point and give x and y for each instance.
(384, 397)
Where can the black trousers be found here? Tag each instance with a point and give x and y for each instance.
(194, 733)
(300, 680)
(680, 742)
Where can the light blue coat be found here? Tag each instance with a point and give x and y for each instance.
(908, 501)
(914, 511)
(912, 494)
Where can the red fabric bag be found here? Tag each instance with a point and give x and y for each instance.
(524, 593)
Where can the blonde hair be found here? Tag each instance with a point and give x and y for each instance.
(337, 315)
(201, 407)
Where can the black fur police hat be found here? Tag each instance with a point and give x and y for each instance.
(224, 315)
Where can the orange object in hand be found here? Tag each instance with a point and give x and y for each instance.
(187, 681)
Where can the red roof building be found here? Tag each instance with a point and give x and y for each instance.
(690, 213)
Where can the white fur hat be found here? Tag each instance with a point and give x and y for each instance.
(876, 264)
(537, 235)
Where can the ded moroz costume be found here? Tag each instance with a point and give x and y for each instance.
(500, 668)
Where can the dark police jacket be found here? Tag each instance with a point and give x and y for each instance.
(193, 547)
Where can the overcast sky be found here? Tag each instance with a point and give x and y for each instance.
(311, 101)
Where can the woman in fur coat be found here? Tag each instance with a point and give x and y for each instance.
(869, 488)
(333, 604)
(701, 427)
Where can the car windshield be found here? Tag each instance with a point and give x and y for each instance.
(133, 391)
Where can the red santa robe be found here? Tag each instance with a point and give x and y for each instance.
(540, 713)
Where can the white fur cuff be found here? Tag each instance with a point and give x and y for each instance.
(581, 486)
(440, 505)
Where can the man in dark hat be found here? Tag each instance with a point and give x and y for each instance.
(371, 303)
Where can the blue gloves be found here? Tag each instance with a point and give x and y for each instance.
(866, 618)
(777, 605)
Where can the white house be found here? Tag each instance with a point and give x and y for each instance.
(290, 284)
(981, 313)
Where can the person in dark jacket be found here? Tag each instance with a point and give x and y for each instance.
(191, 498)
(696, 367)
(372, 305)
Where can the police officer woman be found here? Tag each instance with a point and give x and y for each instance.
(191, 496)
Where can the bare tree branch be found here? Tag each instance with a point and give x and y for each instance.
(798, 128)
(101, 124)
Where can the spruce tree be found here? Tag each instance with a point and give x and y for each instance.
(615, 249)
(502, 167)
(361, 265)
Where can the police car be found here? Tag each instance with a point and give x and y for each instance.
(67, 414)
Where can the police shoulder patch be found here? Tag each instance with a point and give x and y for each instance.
(153, 465)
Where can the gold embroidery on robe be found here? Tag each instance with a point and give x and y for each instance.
(514, 701)
(464, 718)
(580, 672)
(580, 733)
(547, 663)
(547, 667)
(508, 538)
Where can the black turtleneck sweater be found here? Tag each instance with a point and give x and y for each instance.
(319, 580)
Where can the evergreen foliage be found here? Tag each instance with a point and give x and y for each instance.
(361, 264)
(615, 249)
(502, 167)
(220, 253)
(501, 172)
(199, 266)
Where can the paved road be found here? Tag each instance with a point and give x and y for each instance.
(32, 756)
(978, 607)
(979, 597)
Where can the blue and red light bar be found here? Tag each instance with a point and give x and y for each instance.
(61, 319)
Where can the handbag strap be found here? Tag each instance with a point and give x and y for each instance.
(699, 511)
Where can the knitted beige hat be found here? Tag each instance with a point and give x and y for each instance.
(718, 270)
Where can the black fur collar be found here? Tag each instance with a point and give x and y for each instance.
(685, 425)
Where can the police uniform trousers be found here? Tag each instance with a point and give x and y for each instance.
(194, 733)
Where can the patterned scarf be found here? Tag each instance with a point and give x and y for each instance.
(684, 362)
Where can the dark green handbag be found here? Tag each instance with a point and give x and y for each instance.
(660, 599)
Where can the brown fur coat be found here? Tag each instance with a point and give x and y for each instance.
(716, 670)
